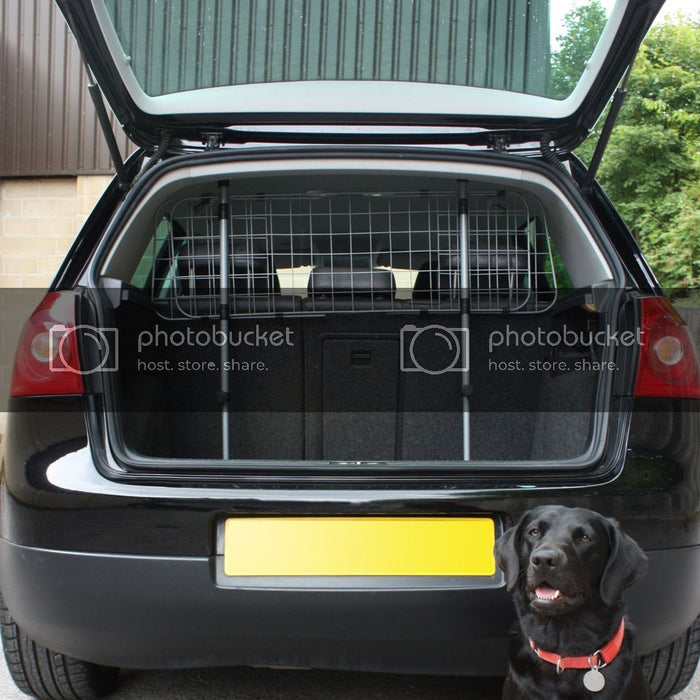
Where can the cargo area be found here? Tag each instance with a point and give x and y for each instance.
(348, 318)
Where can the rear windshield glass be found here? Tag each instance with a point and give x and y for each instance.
(537, 47)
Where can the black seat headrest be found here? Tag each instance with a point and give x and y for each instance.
(339, 281)
(402, 259)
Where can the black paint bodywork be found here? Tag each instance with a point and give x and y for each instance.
(81, 572)
(128, 574)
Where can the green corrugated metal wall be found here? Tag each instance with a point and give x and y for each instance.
(185, 44)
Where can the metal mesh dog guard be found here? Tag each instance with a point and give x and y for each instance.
(345, 252)
(467, 251)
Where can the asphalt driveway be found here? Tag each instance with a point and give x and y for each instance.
(265, 684)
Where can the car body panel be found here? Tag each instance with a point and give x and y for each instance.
(193, 623)
(120, 561)
(137, 550)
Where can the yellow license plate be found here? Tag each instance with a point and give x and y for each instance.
(359, 547)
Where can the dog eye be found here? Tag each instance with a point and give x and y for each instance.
(534, 532)
(585, 538)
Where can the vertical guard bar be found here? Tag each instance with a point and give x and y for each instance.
(224, 314)
(464, 314)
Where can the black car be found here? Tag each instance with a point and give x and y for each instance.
(350, 309)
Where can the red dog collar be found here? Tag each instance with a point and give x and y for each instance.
(598, 659)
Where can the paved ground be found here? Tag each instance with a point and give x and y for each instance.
(263, 684)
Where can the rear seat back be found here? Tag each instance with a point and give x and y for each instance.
(497, 277)
(250, 268)
(253, 282)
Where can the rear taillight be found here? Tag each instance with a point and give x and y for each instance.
(668, 362)
(47, 361)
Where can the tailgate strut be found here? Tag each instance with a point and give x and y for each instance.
(103, 117)
(615, 107)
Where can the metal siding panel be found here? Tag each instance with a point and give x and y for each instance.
(38, 44)
(17, 93)
(55, 101)
(26, 87)
(72, 110)
(49, 123)
(8, 81)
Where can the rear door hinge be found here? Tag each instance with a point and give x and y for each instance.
(212, 140)
(499, 143)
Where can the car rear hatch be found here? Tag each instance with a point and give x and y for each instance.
(359, 311)
(194, 68)
(380, 313)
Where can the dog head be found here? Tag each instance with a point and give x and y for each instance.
(559, 558)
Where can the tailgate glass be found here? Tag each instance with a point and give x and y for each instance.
(506, 45)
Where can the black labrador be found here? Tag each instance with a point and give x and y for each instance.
(567, 568)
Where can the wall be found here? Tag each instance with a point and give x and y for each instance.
(39, 219)
(49, 125)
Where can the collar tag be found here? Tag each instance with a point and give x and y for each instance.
(593, 681)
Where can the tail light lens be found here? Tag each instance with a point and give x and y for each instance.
(47, 361)
(668, 363)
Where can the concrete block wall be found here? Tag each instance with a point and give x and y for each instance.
(39, 219)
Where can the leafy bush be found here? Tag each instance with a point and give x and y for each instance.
(651, 167)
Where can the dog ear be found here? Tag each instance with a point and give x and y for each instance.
(626, 564)
(507, 551)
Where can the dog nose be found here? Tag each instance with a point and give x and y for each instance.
(547, 558)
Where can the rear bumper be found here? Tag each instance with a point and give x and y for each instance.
(123, 571)
(160, 612)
